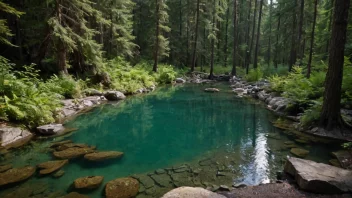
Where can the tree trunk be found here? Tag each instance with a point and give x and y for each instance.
(258, 35)
(157, 32)
(330, 117)
(277, 50)
(196, 38)
(293, 53)
(270, 29)
(246, 53)
(226, 35)
(187, 32)
(211, 75)
(300, 31)
(312, 39)
(61, 59)
(233, 73)
(329, 27)
(252, 38)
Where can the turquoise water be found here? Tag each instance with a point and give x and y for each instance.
(168, 128)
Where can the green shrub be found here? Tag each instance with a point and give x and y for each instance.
(165, 74)
(63, 85)
(255, 75)
(312, 114)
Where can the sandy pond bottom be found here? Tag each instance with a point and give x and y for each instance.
(176, 136)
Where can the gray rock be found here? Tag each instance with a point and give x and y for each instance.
(180, 80)
(262, 95)
(318, 177)
(51, 129)
(92, 92)
(212, 90)
(114, 95)
(187, 192)
(12, 136)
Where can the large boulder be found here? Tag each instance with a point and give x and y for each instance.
(114, 95)
(318, 177)
(14, 136)
(122, 188)
(51, 166)
(90, 182)
(51, 129)
(73, 152)
(99, 156)
(187, 192)
(16, 175)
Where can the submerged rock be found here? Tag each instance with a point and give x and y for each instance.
(59, 173)
(335, 162)
(344, 157)
(163, 180)
(70, 145)
(299, 152)
(51, 166)
(99, 156)
(211, 90)
(51, 129)
(14, 136)
(114, 95)
(145, 180)
(16, 175)
(187, 192)
(74, 152)
(56, 144)
(75, 195)
(122, 188)
(318, 177)
(6, 167)
(90, 182)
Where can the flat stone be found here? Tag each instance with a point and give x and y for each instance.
(180, 80)
(56, 144)
(70, 145)
(51, 166)
(14, 136)
(302, 141)
(189, 192)
(100, 156)
(6, 167)
(318, 177)
(16, 175)
(122, 188)
(51, 129)
(59, 173)
(163, 180)
(71, 153)
(335, 162)
(75, 195)
(145, 180)
(211, 90)
(299, 152)
(181, 169)
(160, 171)
(182, 179)
(345, 158)
(89, 182)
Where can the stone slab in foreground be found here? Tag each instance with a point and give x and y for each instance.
(189, 192)
(318, 177)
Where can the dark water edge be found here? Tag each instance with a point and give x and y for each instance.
(191, 137)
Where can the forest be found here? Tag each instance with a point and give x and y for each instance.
(53, 49)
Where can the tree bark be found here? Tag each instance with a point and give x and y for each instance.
(258, 36)
(211, 75)
(270, 30)
(233, 73)
(300, 31)
(196, 38)
(226, 35)
(277, 49)
(157, 32)
(293, 53)
(252, 38)
(246, 53)
(330, 117)
(309, 66)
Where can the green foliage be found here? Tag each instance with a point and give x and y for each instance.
(312, 114)
(129, 79)
(4, 30)
(64, 85)
(254, 75)
(347, 80)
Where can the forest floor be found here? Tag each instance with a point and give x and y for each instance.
(277, 190)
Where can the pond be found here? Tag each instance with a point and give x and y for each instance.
(176, 136)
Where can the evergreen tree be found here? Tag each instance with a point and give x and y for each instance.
(5, 32)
